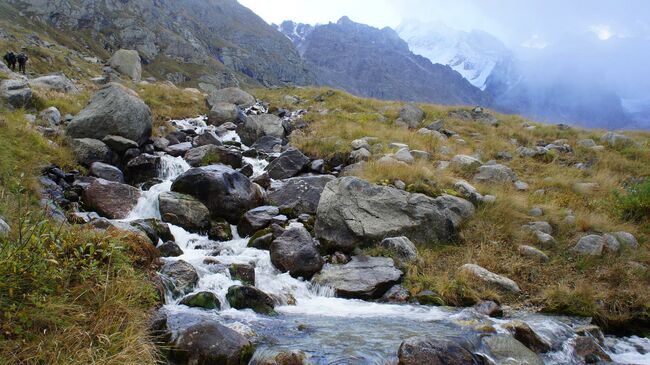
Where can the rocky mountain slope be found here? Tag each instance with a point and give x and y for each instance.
(376, 63)
(217, 42)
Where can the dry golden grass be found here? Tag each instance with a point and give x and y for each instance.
(168, 102)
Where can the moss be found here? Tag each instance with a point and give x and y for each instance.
(205, 300)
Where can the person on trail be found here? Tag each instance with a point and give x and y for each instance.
(22, 61)
(10, 59)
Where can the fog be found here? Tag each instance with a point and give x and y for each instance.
(587, 44)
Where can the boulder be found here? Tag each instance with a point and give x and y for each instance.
(626, 239)
(410, 116)
(211, 154)
(210, 342)
(495, 174)
(119, 144)
(298, 195)
(524, 334)
(182, 276)
(361, 278)
(110, 199)
(184, 211)
(88, 150)
(50, 116)
(591, 245)
(203, 299)
(179, 149)
(428, 297)
(106, 172)
(587, 348)
(503, 349)
(206, 138)
(128, 63)
(16, 93)
(56, 82)
(142, 168)
(242, 297)
(243, 272)
(434, 351)
(404, 250)
(221, 113)
(396, 294)
(359, 155)
(352, 212)
(489, 308)
(288, 164)
(532, 252)
(468, 191)
(544, 239)
(225, 192)
(231, 95)
(268, 144)
(258, 126)
(113, 110)
(170, 249)
(4, 228)
(256, 219)
(295, 252)
(477, 273)
(404, 155)
(614, 139)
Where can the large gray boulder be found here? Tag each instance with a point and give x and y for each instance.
(256, 219)
(495, 174)
(56, 82)
(410, 116)
(434, 351)
(225, 192)
(590, 245)
(503, 349)
(614, 139)
(295, 252)
(298, 195)
(223, 113)
(477, 273)
(352, 212)
(246, 296)
(288, 164)
(210, 342)
(184, 211)
(211, 154)
(361, 278)
(88, 150)
(258, 126)
(402, 247)
(16, 93)
(181, 275)
(110, 199)
(142, 168)
(128, 63)
(113, 110)
(106, 172)
(231, 95)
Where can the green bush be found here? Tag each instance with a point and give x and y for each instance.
(634, 203)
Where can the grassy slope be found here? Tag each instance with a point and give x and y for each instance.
(609, 288)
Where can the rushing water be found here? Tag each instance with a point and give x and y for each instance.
(333, 330)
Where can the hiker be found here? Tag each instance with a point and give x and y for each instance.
(22, 61)
(10, 59)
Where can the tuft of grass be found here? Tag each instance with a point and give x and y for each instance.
(169, 102)
(634, 203)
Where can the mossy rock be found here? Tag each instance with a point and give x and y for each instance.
(261, 239)
(204, 299)
(243, 297)
(220, 231)
(428, 297)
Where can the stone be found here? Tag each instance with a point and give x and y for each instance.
(169, 249)
(532, 252)
(202, 299)
(256, 219)
(288, 164)
(268, 144)
(110, 199)
(544, 239)
(506, 350)
(182, 276)
(489, 308)
(404, 250)
(142, 168)
(221, 113)
(360, 154)
(586, 143)
(231, 95)
(206, 138)
(211, 154)
(536, 212)
(50, 116)
(184, 211)
(404, 155)
(433, 351)
(225, 192)
(541, 226)
(591, 245)
(16, 93)
(210, 342)
(242, 297)
(4, 228)
(179, 149)
(521, 185)
(614, 139)
(113, 110)
(626, 239)
(106, 172)
(524, 334)
(410, 115)
(295, 252)
(477, 273)
(54, 82)
(495, 174)
(352, 212)
(421, 155)
(128, 63)
(258, 126)
(361, 278)
(396, 294)
(587, 348)
(464, 161)
(88, 150)
(358, 144)
(261, 240)
(220, 230)
(429, 297)
(611, 243)
(467, 191)
(242, 272)
(119, 144)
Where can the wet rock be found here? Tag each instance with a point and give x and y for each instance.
(142, 168)
(184, 211)
(489, 308)
(591, 245)
(433, 351)
(532, 252)
(110, 199)
(170, 249)
(256, 219)
(242, 297)
(231, 95)
(396, 294)
(182, 276)
(206, 138)
(225, 192)
(243, 272)
(295, 252)
(261, 240)
(410, 116)
(482, 275)
(203, 299)
(495, 174)
(361, 278)
(404, 250)
(211, 154)
(114, 110)
(128, 63)
(220, 230)
(298, 195)
(503, 349)
(591, 331)
(352, 211)
(284, 358)
(155, 229)
(524, 334)
(209, 342)
(106, 172)
(88, 150)
(288, 164)
(258, 126)
(588, 349)
(429, 297)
